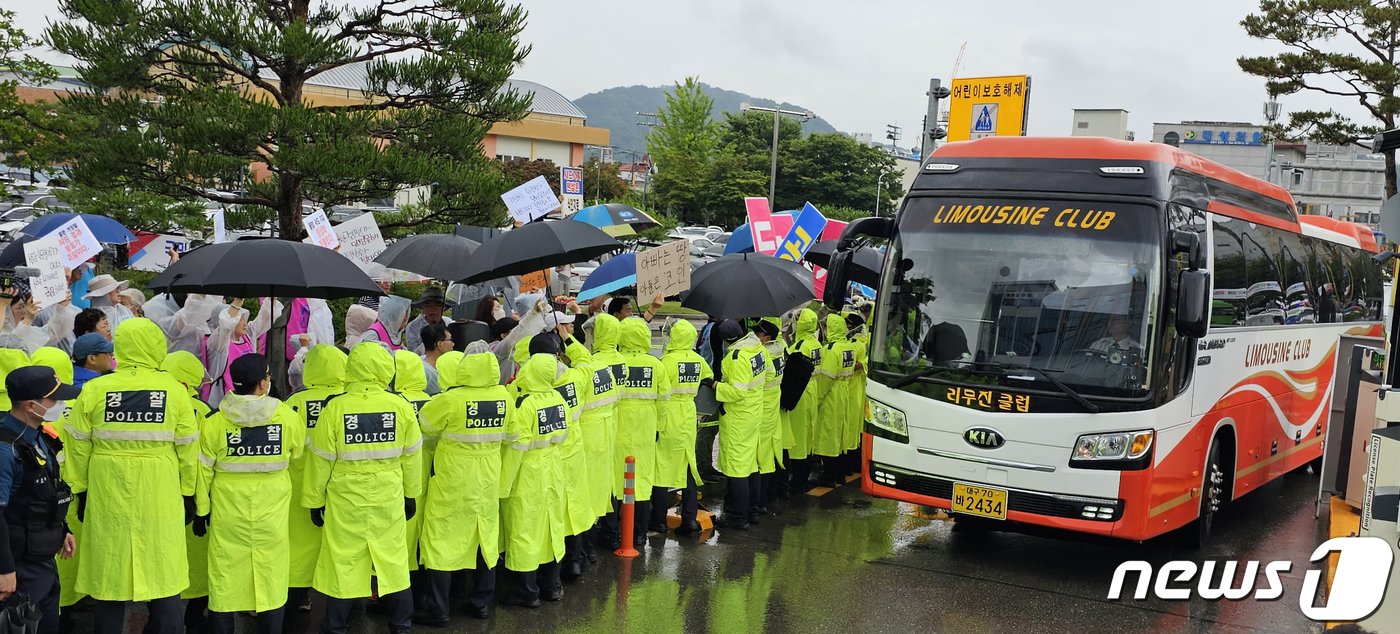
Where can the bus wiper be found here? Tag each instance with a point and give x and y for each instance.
(1088, 405)
(914, 376)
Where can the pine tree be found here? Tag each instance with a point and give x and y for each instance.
(194, 98)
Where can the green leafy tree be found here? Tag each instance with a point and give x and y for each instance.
(682, 147)
(603, 181)
(832, 169)
(186, 95)
(1342, 48)
(521, 171)
(731, 178)
(18, 135)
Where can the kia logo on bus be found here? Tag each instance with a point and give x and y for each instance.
(984, 437)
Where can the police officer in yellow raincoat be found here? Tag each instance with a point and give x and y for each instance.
(803, 418)
(675, 445)
(461, 514)
(833, 385)
(411, 382)
(362, 474)
(770, 431)
(10, 359)
(741, 391)
(134, 431)
(532, 483)
(608, 368)
(574, 384)
(324, 378)
(244, 493)
(189, 371)
(62, 366)
(645, 387)
(855, 421)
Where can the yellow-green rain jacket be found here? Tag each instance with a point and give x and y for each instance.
(742, 390)
(531, 472)
(770, 431)
(467, 423)
(245, 488)
(645, 386)
(599, 421)
(574, 383)
(685, 370)
(324, 378)
(411, 382)
(833, 379)
(855, 421)
(133, 452)
(798, 426)
(364, 460)
(607, 333)
(187, 369)
(62, 366)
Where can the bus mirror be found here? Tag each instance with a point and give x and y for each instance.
(874, 227)
(838, 274)
(1189, 243)
(1193, 303)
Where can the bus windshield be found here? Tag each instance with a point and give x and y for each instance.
(1022, 293)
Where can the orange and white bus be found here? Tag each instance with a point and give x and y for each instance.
(1102, 336)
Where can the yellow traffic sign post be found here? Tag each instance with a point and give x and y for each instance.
(988, 106)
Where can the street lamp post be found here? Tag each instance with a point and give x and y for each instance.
(878, 182)
(1271, 111)
(777, 120)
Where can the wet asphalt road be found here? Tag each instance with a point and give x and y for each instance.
(844, 562)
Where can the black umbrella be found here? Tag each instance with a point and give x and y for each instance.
(749, 285)
(267, 268)
(536, 247)
(435, 255)
(13, 254)
(865, 264)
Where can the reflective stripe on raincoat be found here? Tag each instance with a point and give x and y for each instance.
(607, 333)
(833, 378)
(599, 422)
(364, 460)
(67, 568)
(133, 431)
(461, 510)
(745, 372)
(573, 383)
(675, 445)
(411, 382)
(770, 430)
(645, 387)
(801, 420)
(324, 378)
(531, 474)
(245, 489)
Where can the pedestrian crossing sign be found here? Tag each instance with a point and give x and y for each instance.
(988, 106)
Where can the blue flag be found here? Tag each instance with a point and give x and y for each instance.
(806, 230)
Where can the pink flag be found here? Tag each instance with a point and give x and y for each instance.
(765, 238)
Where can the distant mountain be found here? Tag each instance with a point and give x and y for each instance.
(617, 108)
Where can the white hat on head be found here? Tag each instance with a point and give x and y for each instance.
(103, 284)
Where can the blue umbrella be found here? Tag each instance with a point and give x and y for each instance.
(617, 273)
(103, 228)
(615, 218)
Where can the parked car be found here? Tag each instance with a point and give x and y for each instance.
(698, 246)
(15, 219)
(579, 274)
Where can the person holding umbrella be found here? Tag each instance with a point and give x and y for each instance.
(389, 324)
(364, 471)
(741, 391)
(433, 304)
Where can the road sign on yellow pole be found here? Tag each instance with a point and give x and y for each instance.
(988, 106)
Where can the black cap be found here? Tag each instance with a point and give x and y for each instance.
(35, 382)
(546, 343)
(729, 330)
(854, 320)
(247, 372)
(503, 326)
(433, 294)
(766, 327)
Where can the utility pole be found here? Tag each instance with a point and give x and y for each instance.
(650, 120)
(777, 123)
(932, 133)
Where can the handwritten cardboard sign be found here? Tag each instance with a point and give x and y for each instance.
(46, 255)
(664, 269)
(530, 201)
(360, 239)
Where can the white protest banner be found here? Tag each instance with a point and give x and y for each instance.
(318, 228)
(530, 201)
(664, 269)
(360, 239)
(77, 242)
(51, 286)
(220, 229)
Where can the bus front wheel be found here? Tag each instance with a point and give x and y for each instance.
(1213, 495)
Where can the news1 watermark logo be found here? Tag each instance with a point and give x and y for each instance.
(1363, 569)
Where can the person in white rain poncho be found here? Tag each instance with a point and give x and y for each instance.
(233, 337)
(104, 293)
(186, 324)
(387, 328)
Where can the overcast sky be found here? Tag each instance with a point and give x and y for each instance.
(864, 64)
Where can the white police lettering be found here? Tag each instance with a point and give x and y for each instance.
(619, 370)
(255, 441)
(779, 363)
(688, 372)
(1363, 566)
(313, 412)
(486, 414)
(370, 427)
(602, 381)
(418, 406)
(758, 364)
(638, 378)
(552, 419)
(569, 393)
(816, 356)
(848, 358)
(136, 406)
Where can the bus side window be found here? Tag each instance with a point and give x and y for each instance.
(1323, 288)
(1264, 297)
(1297, 288)
(1369, 287)
(1228, 271)
(1345, 283)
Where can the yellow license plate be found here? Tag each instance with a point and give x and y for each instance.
(979, 500)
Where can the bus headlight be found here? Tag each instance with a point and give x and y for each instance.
(1116, 450)
(886, 421)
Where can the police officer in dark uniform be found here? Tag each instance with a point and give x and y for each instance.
(34, 498)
